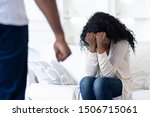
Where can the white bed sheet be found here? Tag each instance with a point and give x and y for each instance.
(39, 91)
(141, 95)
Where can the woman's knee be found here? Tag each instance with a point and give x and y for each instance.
(87, 81)
(100, 83)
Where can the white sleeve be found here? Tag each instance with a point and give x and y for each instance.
(91, 64)
(110, 66)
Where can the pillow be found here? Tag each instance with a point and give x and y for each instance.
(141, 80)
(140, 62)
(51, 73)
(147, 84)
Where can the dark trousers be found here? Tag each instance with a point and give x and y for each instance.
(13, 61)
(103, 88)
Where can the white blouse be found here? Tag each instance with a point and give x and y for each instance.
(13, 12)
(114, 64)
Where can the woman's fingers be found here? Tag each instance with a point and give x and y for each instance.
(103, 35)
(92, 36)
(100, 35)
(89, 37)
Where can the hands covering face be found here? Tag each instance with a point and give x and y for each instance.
(97, 42)
(90, 38)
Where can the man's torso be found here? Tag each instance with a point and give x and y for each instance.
(12, 12)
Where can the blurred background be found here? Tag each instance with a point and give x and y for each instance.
(74, 14)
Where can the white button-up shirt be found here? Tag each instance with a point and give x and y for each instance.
(13, 12)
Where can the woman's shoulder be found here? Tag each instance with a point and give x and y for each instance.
(120, 46)
(121, 43)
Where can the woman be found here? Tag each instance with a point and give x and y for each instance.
(107, 61)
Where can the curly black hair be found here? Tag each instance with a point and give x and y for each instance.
(114, 29)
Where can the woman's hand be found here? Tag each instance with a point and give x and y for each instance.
(102, 42)
(91, 40)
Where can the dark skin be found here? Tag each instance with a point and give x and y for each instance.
(98, 42)
(49, 9)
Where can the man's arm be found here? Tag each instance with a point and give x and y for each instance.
(49, 9)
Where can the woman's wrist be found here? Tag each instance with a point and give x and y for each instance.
(92, 49)
(101, 50)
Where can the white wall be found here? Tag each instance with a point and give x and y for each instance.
(74, 14)
(135, 14)
(41, 36)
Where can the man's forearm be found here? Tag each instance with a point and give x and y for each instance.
(49, 9)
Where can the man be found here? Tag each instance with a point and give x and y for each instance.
(14, 44)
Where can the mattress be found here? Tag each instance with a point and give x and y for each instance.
(141, 95)
(39, 91)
